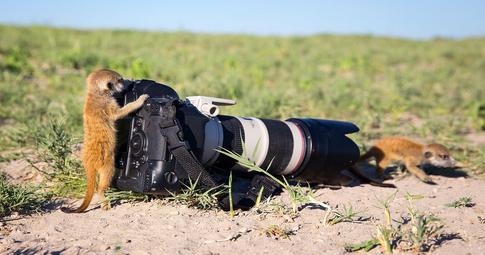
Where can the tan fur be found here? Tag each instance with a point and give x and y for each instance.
(100, 113)
(412, 154)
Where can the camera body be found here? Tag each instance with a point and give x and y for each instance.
(147, 166)
(311, 150)
(143, 162)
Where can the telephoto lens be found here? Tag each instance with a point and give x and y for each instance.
(306, 149)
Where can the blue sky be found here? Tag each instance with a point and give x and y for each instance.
(418, 19)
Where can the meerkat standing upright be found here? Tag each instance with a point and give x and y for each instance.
(100, 113)
(412, 154)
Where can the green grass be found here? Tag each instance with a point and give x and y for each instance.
(122, 196)
(462, 202)
(418, 231)
(20, 198)
(194, 196)
(346, 214)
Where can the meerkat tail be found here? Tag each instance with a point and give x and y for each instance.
(91, 185)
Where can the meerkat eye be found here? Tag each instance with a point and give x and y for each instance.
(444, 156)
(110, 85)
(428, 154)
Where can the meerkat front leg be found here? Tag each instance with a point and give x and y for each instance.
(381, 164)
(412, 167)
(128, 108)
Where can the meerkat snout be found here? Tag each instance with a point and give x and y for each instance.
(437, 155)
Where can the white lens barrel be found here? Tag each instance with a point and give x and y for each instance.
(298, 148)
(256, 139)
(212, 142)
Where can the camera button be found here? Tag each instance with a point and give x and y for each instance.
(170, 177)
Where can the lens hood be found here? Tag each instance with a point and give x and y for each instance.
(328, 149)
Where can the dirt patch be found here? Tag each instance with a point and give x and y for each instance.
(21, 171)
(476, 138)
(159, 228)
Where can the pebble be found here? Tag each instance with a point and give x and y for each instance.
(105, 247)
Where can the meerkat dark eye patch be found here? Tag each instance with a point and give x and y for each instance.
(110, 85)
(428, 154)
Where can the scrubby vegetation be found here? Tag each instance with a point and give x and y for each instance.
(20, 198)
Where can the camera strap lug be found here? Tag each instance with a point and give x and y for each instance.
(171, 130)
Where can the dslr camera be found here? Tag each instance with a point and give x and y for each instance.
(169, 141)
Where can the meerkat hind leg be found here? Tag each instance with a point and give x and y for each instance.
(105, 178)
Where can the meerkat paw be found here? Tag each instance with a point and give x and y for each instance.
(143, 98)
(140, 101)
(106, 205)
(428, 180)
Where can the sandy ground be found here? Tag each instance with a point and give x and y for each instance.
(157, 227)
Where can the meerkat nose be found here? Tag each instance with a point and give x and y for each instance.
(453, 161)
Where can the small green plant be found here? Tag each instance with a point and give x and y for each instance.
(481, 220)
(423, 229)
(275, 208)
(411, 198)
(231, 206)
(123, 196)
(461, 202)
(22, 199)
(385, 205)
(259, 197)
(278, 232)
(365, 245)
(297, 194)
(193, 196)
(385, 233)
(419, 233)
(347, 214)
(384, 236)
(65, 171)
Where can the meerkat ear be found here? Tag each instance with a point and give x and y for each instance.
(428, 154)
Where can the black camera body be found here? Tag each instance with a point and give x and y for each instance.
(161, 144)
(150, 168)
(143, 161)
